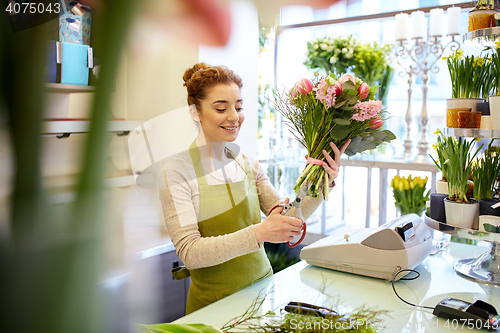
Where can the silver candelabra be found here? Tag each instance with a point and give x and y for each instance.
(424, 56)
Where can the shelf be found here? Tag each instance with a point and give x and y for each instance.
(482, 37)
(66, 127)
(68, 88)
(70, 196)
(483, 269)
(472, 132)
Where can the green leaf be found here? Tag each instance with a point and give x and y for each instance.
(351, 100)
(318, 113)
(340, 104)
(348, 85)
(346, 114)
(339, 132)
(350, 92)
(341, 121)
(390, 135)
(379, 136)
(374, 89)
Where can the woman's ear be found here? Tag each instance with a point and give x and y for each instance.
(194, 113)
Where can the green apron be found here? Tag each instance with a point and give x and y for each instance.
(210, 284)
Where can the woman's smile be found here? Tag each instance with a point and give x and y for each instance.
(230, 129)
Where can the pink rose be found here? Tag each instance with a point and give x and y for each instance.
(344, 78)
(376, 122)
(338, 88)
(363, 91)
(303, 86)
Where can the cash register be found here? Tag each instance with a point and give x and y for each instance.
(380, 252)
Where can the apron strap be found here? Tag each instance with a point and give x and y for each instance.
(180, 273)
(198, 167)
(238, 160)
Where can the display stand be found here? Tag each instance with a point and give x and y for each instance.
(482, 37)
(483, 269)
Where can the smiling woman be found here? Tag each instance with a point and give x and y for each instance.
(213, 196)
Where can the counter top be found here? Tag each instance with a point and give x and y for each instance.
(345, 292)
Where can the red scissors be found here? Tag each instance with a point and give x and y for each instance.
(298, 211)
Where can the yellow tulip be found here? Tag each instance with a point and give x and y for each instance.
(406, 184)
(401, 186)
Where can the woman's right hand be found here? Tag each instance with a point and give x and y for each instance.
(277, 228)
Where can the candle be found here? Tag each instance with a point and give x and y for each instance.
(454, 20)
(436, 25)
(418, 24)
(401, 26)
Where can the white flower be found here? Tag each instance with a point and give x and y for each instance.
(316, 46)
(344, 50)
(330, 80)
(333, 59)
(323, 46)
(349, 54)
(330, 48)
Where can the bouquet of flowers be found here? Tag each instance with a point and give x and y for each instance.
(333, 109)
(372, 61)
(333, 54)
(409, 194)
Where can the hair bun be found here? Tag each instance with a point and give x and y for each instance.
(196, 68)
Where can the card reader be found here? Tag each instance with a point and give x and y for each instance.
(479, 314)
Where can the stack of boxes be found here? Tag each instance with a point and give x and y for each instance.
(70, 61)
(72, 51)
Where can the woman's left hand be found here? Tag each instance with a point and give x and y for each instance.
(333, 166)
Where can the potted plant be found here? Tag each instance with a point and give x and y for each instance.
(472, 79)
(409, 194)
(484, 174)
(442, 155)
(372, 64)
(460, 210)
(485, 171)
(495, 99)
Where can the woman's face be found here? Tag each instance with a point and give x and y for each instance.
(221, 113)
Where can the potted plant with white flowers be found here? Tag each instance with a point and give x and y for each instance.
(459, 208)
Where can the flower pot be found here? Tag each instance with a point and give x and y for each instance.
(437, 207)
(489, 223)
(495, 111)
(484, 108)
(460, 214)
(441, 187)
(485, 207)
(464, 103)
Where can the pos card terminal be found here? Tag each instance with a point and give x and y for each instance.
(479, 314)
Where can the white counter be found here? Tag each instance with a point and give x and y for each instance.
(305, 283)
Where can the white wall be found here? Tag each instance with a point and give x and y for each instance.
(241, 55)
